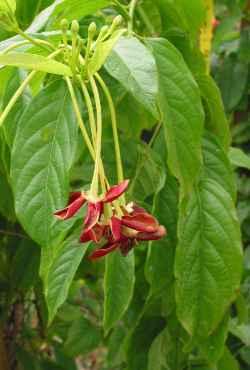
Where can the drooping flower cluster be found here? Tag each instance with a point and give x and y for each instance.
(120, 231)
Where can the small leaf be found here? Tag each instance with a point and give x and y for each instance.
(83, 338)
(239, 159)
(134, 67)
(102, 52)
(35, 62)
(61, 272)
(119, 283)
(182, 113)
(241, 331)
(46, 138)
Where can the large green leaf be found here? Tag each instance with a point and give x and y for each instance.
(77, 9)
(182, 113)
(209, 258)
(46, 139)
(35, 62)
(61, 271)
(134, 67)
(216, 120)
(83, 337)
(10, 123)
(160, 261)
(119, 283)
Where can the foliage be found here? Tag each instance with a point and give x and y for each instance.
(124, 90)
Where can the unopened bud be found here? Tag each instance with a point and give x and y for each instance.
(64, 25)
(104, 30)
(92, 29)
(117, 21)
(74, 26)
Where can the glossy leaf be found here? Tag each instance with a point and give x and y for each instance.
(209, 258)
(134, 67)
(61, 271)
(46, 138)
(216, 121)
(241, 331)
(119, 283)
(34, 62)
(182, 113)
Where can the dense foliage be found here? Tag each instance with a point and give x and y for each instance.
(136, 114)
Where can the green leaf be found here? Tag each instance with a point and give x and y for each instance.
(228, 362)
(61, 271)
(182, 113)
(77, 9)
(241, 331)
(134, 67)
(239, 159)
(8, 5)
(46, 137)
(217, 165)
(216, 121)
(102, 52)
(10, 123)
(213, 346)
(35, 62)
(83, 338)
(159, 269)
(119, 283)
(209, 258)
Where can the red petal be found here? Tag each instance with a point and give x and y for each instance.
(161, 231)
(93, 214)
(95, 234)
(76, 201)
(116, 191)
(141, 222)
(98, 253)
(115, 224)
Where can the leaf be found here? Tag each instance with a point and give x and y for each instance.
(61, 271)
(217, 165)
(209, 258)
(119, 283)
(216, 121)
(77, 9)
(134, 67)
(159, 269)
(83, 338)
(241, 331)
(228, 362)
(149, 177)
(46, 137)
(35, 62)
(10, 123)
(181, 110)
(213, 346)
(239, 159)
(8, 5)
(195, 15)
(102, 52)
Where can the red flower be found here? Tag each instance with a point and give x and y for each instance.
(215, 23)
(134, 227)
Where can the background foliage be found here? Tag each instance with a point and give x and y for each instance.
(179, 303)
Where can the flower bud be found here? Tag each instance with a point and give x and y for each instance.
(64, 25)
(117, 21)
(74, 27)
(92, 29)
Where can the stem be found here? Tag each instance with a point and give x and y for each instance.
(15, 46)
(20, 90)
(146, 20)
(41, 43)
(114, 127)
(90, 111)
(94, 185)
(132, 6)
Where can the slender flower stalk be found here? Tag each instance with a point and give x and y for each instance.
(90, 110)
(20, 90)
(114, 127)
(132, 6)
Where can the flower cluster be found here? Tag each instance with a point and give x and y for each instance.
(122, 230)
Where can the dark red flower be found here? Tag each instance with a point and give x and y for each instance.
(215, 23)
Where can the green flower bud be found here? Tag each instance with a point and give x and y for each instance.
(64, 25)
(74, 26)
(92, 29)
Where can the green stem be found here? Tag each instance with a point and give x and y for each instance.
(20, 90)
(132, 6)
(114, 127)
(40, 43)
(15, 46)
(146, 20)
(94, 185)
